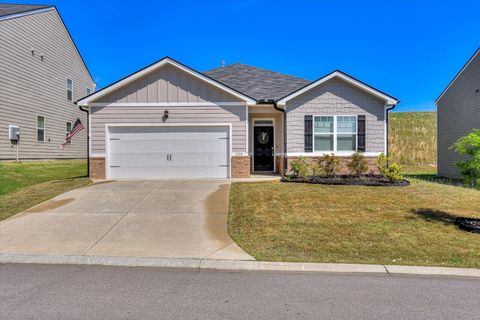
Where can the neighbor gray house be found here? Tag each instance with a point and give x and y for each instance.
(42, 74)
(458, 112)
(168, 120)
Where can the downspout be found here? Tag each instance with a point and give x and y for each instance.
(386, 120)
(88, 139)
(285, 162)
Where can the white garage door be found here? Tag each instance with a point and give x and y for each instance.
(168, 152)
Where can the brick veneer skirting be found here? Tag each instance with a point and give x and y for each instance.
(372, 163)
(241, 167)
(97, 168)
(280, 163)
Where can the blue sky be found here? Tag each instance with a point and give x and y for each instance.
(409, 49)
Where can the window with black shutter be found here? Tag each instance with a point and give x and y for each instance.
(361, 133)
(308, 133)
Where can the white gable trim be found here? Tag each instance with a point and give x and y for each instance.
(26, 13)
(458, 75)
(165, 61)
(389, 101)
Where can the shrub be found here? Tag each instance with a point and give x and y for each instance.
(329, 164)
(300, 167)
(317, 170)
(470, 169)
(389, 170)
(358, 165)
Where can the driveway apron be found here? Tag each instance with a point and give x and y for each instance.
(129, 218)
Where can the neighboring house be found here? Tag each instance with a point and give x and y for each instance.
(41, 76)
(170, 121)
(458, 112)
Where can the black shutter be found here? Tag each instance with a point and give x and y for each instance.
(361, 133)
(308, 133)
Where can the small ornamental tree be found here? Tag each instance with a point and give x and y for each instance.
(469, 145)
(389, 170)
(358, 165)
(329, 164)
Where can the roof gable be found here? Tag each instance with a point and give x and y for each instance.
(167, 84)
(475, 55)
(258, 83)
(167, 61)
(10, 10)
(389, 100)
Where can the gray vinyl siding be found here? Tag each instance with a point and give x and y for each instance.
(30, 87)
(100, 116)
(336, 97)
(458, 112)
(167, 84)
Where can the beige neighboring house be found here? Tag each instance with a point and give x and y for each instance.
(168, 120)
(42, 74)
(458, 112)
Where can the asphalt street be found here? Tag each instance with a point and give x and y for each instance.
(91, 292)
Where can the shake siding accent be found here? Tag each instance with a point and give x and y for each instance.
(167, 84)
(30, 87)
(335, 97)
(147, 114)
(458, 112)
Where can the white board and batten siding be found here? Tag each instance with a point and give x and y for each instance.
(205, 126)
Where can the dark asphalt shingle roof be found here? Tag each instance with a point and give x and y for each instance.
(7, 9)
(255, 82)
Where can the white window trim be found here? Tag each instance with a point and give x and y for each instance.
(44, 127)
(335, 135)
(254, 124)
(66, 87)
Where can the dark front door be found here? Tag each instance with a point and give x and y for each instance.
(263, 148)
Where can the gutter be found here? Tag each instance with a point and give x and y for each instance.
(88, 138)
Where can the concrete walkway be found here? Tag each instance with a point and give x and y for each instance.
(150, 219)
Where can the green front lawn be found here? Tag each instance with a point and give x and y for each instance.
(412, 225)
(23, 185)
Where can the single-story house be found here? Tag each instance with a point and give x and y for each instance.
(170, 121)
(458, 112)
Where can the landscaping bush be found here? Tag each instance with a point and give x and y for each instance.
(329, 164)
(300, 167)
(317, 170)
(358, 165)
(470, 169)
(389, 170)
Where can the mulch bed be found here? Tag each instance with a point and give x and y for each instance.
(366, 180)
(468, 224)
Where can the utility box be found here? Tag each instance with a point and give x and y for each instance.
(13, 132)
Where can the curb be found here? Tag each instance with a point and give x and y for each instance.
(236, 265)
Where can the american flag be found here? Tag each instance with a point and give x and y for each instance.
(76, 127)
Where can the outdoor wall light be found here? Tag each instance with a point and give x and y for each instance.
(165, 115)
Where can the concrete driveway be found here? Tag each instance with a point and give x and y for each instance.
(161, 218)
